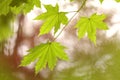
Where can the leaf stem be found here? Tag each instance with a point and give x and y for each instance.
(71, 19)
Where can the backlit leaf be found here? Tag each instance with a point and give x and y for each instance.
(89, 26)
(52, 19)
(46, 53)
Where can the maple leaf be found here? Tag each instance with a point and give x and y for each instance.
(5, 33)
(89, 26)
(30, 5)
(46, 53)
(52, 19)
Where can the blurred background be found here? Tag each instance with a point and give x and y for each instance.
(87, 61)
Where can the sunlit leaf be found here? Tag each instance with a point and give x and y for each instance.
(89, 26)
(52, 19)
(46, 53)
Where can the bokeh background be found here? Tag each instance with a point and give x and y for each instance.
(87, 61)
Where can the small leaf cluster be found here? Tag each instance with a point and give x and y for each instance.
(8, 10)
(17, 6)
(46, 54)
(5, 27)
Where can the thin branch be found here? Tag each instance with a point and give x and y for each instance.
(71, 19)
(71, 11)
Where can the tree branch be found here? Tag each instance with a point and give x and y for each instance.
(71, 19)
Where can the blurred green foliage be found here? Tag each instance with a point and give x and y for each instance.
(8, 8)
(90, 25)
(6, 71)
(17, 6)
(6, 74)
(103, 64)
(6, 26)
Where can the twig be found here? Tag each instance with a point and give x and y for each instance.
(71, 19)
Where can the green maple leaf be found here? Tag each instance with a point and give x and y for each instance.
(89, 26)
(117, 0)
(52, 19)
(101, 1)
(46, 53)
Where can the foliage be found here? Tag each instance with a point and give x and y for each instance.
(6, 71)
(17, 6)
(45, 54)
(25, 6)
(10, 7)
(4, 6)
(89, 26)
(101, 1)
(103, 64)
(5, 27)
(53, 19)
(117, 0)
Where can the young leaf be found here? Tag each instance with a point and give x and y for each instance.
(89, 26)
(53, 18)
(46, 53)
